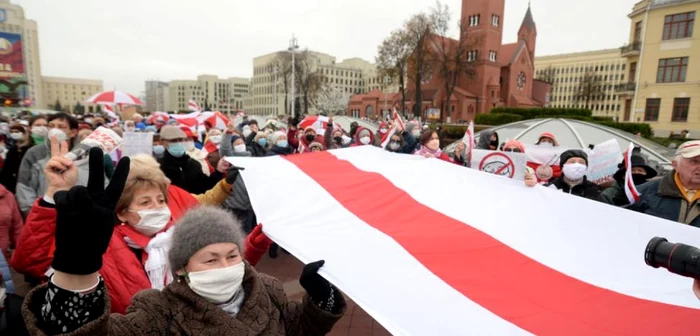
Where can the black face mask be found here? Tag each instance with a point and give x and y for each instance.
(310, 137)
(493, 143)
(639, 179)
(338, 140)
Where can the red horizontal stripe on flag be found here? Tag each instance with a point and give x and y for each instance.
(511, 285)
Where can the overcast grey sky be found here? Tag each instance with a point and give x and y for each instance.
(125, 42)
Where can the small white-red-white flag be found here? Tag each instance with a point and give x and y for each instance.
(630, 189)
(468, 141)
(109, 110)
(192, 105)
(398, 125)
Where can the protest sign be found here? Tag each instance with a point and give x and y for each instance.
(603, 161)
(137, 143)
(506, 164)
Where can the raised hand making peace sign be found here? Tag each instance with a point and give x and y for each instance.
(86, 217)
(61, 172)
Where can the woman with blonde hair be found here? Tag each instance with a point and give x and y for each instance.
(147, 209)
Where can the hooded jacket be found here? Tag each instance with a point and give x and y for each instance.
(357, 137)
(485, 139)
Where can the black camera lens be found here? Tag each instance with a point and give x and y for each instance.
(678, 258)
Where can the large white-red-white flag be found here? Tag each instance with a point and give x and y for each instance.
(478, 255)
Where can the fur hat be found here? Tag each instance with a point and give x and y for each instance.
(171, 132)
(276, 136)
(315, 144)
(572, 153)
(200, 227)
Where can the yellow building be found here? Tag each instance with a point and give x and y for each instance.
(70, 93)
(584, 78)
(219, 94)
(663, 62)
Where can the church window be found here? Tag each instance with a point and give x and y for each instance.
(474, 20)
(492, 56)
(472, 55)
(495, 20)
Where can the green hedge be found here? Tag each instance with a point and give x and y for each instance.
(543, 112)
(497, 118)
(633, 128)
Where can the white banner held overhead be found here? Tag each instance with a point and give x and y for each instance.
(137, 143)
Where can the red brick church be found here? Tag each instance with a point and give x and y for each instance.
(504, 72)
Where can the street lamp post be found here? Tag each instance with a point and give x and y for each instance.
(293, 46)
(387, 80)
(277, 70)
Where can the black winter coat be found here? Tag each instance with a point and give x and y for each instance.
(186, 173)
(8, 175)
(586, 189)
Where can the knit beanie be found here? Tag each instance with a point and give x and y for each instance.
(200, 227)
(276, 136)
(572, 153)
(234, 138)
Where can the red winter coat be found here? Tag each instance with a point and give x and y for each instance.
(10, 221)
(122, 269)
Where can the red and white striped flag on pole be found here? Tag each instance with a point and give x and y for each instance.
(398, 125)
(192, 105)
(468, 141)
(630, 188)
(109, 111)
(476, 269)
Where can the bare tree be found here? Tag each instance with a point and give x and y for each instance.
(332, 101)
(309, 79)
(449, 56)
(590, 88)
(392, 61)
(283, 62)
(418, 30)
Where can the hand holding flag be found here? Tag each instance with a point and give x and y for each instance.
(630, 189)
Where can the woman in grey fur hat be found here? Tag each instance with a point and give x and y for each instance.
(216, 291)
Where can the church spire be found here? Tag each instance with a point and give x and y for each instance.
(528, 21)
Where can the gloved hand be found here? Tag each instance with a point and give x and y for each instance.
(258, 239)
(319, 289)
(86, 218)
(233, 173)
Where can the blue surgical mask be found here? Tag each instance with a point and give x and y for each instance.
(262, 142)
(158, 150)
(177, 149)
(282, 143)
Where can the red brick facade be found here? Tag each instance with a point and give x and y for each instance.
(507, 81)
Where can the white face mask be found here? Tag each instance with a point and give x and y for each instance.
(16, 136)
(346, 139)
(364, 140)
(246, 132)
(40, 131)
(215, 139)
(546, 144)
(152, 220)
(574, 171)
(58, 133)
(415, 133)
(217, 285)
(189, 146)
(239, 148)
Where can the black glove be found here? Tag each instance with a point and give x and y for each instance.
(233, 173)
(319, 289)
(86, 217)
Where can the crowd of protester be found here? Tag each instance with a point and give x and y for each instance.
(168, 241)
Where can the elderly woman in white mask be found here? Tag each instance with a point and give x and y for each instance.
(216, 291)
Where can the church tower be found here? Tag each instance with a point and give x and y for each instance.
(528, 33)
(484, 20)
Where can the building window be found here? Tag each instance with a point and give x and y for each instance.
(474, 20)
(492, 56)
(680, 109)
(651, 112)
(495, 20)
(679, 26)
(472, 55)
(672, 70)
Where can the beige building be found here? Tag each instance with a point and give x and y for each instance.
(663, 61)
(70, 93)
(219, 94)
(585, 78)
(13, 23)
(352, 76)
(156, 96)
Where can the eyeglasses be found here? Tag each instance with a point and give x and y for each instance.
(514, 150)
